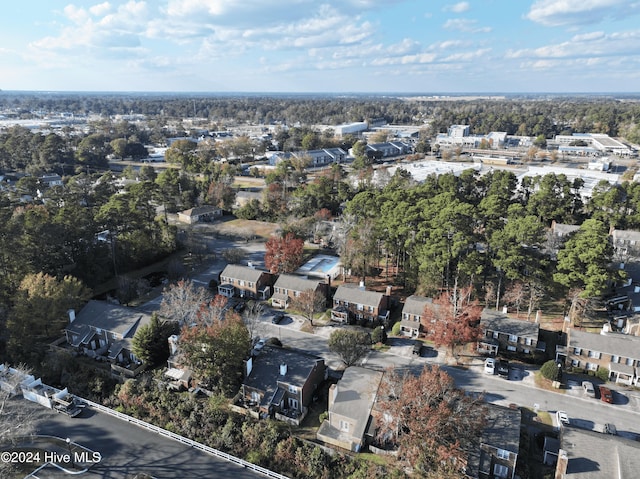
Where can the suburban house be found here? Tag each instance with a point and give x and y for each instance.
(350, 403)
(281, 383)
(412, 315)
(245, 281)
(354, 303)
(499, 445)
(105, 331)
(501, 333)
(618, 353)
(626, 243)
(49, 180)
(200, 214)
(592, 455)
(288, 287)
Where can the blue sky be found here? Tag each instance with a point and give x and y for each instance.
(321, 46)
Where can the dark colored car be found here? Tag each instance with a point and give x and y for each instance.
(417, 348)
(239, 307)
(277, 318)
(503, 369)
(606, 395)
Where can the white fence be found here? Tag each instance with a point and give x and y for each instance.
(184, 440)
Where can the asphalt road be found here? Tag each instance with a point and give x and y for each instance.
(128, 450)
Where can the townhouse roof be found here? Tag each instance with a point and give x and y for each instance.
(109, 317)
(625, 235)
(593, 455)
(491, 320)
(296, 283)
(199, 210)
(415, 305)
(352, 293)
(266, 371)
(618, 344)
(503, 428)
(356, 394)
(245, 273)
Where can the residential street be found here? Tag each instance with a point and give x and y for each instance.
(128, 450)
(520, 389)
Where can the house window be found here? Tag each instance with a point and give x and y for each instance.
(615, 359)
(293, 403)
(575, 363)
(344, 425)
(360, 307)
(293, 389)
(577, 351)
(526, 351)
(502, 454)
(251, 284)
(513, 338)
(500, 471)
(528, 341)
(241, 282)
(592, 366)
(255, 397)
(496, 334)
(594, 354)
(511, 348)
(629, 362)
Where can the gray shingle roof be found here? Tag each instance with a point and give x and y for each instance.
(265, 373)
(593, 455)
(622, 345)
(496, 321)
(357, 391)
(109, 317)
(295, 283)
(415, 304)
(353, 294)
(245, 273)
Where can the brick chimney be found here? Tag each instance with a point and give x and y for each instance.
(561, 466)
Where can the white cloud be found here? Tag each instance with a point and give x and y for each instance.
(459, 7)
(580, 12)
(593, 45)
(464, 25)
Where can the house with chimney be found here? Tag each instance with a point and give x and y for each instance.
(105, 331)
(349, 423)
(586, 454)
(502, 334)
(280, 383)
(413, 315)
(288, 287)
(354, 303)
(245, 282)
(617, 353)
(497, 453)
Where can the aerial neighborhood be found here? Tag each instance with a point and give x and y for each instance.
(324, 287)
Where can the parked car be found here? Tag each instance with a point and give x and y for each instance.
(259, 346)
(490, 366)
(239, 307)
(563, 418)
(503, 369)
(277, 318)
(587, 387)
(417, 348)
(71, 409)
(610, 429)
(606, 395)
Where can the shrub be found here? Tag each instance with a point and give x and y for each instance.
(395, 330)
(602, 374)
(551, 371)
